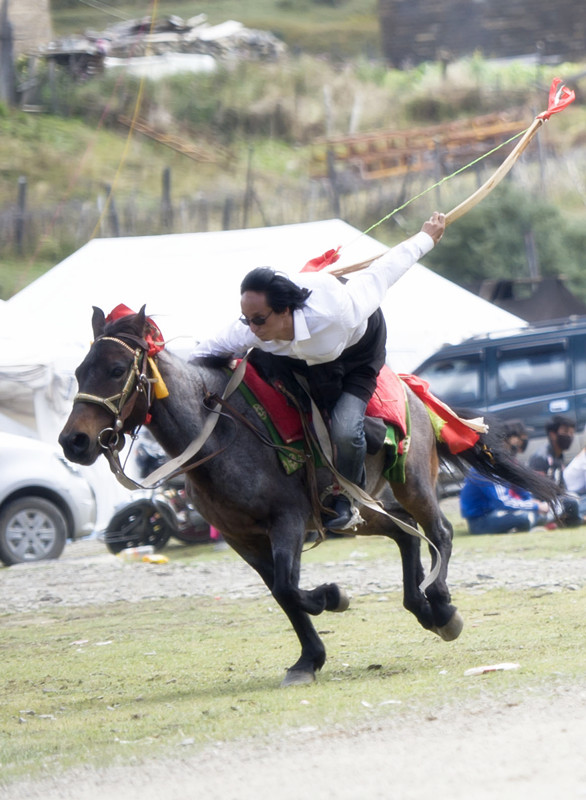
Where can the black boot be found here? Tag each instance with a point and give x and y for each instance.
(343, 508)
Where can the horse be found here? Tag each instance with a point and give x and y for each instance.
(239, 487)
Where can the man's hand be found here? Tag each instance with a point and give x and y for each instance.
(435, 226)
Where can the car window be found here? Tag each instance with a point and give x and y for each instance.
(530, 372)
(456, 381)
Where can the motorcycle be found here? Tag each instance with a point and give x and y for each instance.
(158, 514)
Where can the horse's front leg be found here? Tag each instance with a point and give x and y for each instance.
(277, 559)
(287, 542)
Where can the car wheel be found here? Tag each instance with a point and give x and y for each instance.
(140, 523)
(31, 529)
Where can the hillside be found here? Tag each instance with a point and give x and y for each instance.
(252, 132)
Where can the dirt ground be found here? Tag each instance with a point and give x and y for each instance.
(525, 746)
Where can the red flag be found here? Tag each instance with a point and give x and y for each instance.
(329, 257)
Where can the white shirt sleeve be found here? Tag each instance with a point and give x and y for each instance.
(368, 287)
(233, 340)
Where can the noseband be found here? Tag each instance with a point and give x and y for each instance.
(136, 381)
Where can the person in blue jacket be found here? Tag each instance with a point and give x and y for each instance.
(490, 507)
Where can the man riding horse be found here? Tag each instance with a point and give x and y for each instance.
(334, 334)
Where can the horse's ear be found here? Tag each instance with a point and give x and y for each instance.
(140, 320)
(98, 322)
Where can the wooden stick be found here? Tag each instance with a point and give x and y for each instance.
(497, 177)
(353, 267)
(559, 98)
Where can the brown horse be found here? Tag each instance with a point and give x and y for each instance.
(240, 488)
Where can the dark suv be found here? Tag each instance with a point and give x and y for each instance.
(530, 374)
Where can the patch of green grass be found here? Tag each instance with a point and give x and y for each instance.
(15, 273)
(109, 684)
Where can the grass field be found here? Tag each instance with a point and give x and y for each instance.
(121, 682)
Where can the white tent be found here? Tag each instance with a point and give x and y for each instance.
(189, 283)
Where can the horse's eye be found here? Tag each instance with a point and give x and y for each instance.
(117, 372)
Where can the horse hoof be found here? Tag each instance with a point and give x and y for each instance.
(343, 601)
(452, 629)
(297, 677)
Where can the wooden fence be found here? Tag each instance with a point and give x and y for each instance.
(394, 154)
(345, 180)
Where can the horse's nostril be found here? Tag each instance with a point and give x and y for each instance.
(76, 444)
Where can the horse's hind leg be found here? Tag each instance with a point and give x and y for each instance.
(414, 600)
(420, 501)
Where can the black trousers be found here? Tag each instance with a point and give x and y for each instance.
(354, 371)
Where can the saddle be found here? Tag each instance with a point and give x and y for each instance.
(386, 423)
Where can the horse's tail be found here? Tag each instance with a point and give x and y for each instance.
(491, 458)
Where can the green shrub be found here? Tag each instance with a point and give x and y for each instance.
(489, 241)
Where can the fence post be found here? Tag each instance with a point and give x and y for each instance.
(166, 205)
(333, 179)
(438, 171)
(112, 213)
(227, 213)
(248, 190)
(19, 221)
(203, 208)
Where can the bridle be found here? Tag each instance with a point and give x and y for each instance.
(136, 383)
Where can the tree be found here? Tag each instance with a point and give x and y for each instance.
(7, 74)
(490, 242)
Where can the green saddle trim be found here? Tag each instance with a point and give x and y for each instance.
(394, 469)
(290, 461)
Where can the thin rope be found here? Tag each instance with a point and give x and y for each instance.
(135, 113)
(443, 180)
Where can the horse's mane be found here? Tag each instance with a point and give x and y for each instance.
(214, 362)
(127, 324)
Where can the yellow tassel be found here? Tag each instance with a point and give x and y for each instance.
(161, 390)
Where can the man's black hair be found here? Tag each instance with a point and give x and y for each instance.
(281, 292)
(556, 423)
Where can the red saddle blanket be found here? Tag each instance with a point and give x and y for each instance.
(387, 403)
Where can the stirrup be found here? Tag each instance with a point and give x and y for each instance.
(355, 518)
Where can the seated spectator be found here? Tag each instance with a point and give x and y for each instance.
(549, 460)
(575, 479)
(490, 507)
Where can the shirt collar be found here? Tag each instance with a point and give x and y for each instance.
(300, 329)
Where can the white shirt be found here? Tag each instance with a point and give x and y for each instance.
(335, 314)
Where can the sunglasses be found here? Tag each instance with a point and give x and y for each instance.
(258, 321)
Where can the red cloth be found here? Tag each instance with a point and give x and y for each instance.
(329, 257)
(284, 417)
(457, 435)
(388, 403)
(153, 336)
(388, 400)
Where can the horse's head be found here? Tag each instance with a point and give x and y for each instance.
(113, 388)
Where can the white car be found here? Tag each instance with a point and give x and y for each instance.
(44, 501)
